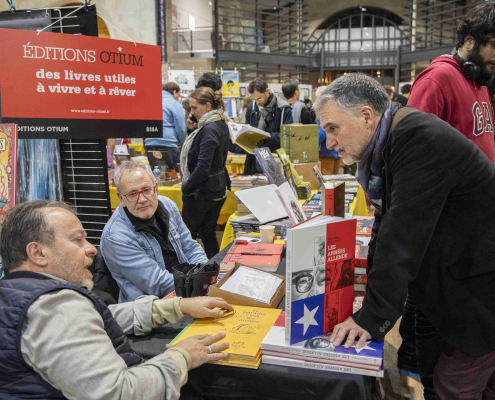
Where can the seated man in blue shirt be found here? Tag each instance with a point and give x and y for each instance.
(146, 237)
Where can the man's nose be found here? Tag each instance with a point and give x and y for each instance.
(142, 198)
(90, 250)
(331, 143)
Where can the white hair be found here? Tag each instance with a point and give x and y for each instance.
(131, 165)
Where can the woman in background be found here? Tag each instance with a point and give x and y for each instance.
(205, 179)
(174, 125)
(242, 113)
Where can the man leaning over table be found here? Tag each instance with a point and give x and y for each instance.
(59, 340)
(433, 235)
(146, 236)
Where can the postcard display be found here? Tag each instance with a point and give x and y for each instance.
(320, 276)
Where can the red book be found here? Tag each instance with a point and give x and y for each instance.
(8, 169)
(360, 279)
(320, 276)
(267, 263)
(333, 200)
(361, 256)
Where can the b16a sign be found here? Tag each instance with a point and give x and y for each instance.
(66, 86)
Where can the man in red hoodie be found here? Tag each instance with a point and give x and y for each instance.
(461, 99)
(455, 89)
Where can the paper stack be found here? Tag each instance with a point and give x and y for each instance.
(245, 328)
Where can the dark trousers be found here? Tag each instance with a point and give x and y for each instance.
(445, 373)
(201, 216)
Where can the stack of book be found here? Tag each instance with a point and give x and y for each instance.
(260, 181)
(236, 159)
(319, 353)
(263, 256)
(249, 223)
(302, 189)
(313, 204)
(245, 328)
(242, 182)
(340, 177)
(242, 208)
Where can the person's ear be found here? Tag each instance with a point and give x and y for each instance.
(368, 115)
(208, 107)
(469, 42)
(38, 254)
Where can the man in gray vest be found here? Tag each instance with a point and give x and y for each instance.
(59, 340)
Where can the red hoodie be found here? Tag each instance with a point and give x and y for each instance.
(441, 89)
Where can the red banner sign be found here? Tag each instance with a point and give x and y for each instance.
(66, 86)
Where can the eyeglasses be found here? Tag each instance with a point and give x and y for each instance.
(134, 196)
(303, 283)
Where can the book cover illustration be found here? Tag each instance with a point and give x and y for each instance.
(289, 178)
(286, 161)
(244, 330)
(303, 143)
(269, 166)
(320, 276)
(364, 225)
(290, 203)
(8, 169)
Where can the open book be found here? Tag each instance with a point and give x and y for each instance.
(246, 136)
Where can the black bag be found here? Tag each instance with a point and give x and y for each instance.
(192, 280)
(102, 277)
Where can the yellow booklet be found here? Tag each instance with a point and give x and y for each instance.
(245, 329)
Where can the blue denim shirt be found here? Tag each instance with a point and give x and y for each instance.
(135, 258)
(174, 123)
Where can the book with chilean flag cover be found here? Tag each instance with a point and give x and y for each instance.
(320, 276)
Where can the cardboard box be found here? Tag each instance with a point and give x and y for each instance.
(215, 290)
(306, 170)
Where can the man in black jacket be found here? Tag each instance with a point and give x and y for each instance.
(266, 112)
(434, 232)
(300, 113)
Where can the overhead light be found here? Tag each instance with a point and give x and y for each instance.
(210, 3)
(274, 8)
(363, 9)
(192, 23)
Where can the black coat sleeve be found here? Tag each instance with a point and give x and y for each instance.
(418, 186)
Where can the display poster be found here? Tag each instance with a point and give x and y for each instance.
(183, 78)
(230, 84)
(67, 86)
(8, 169)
